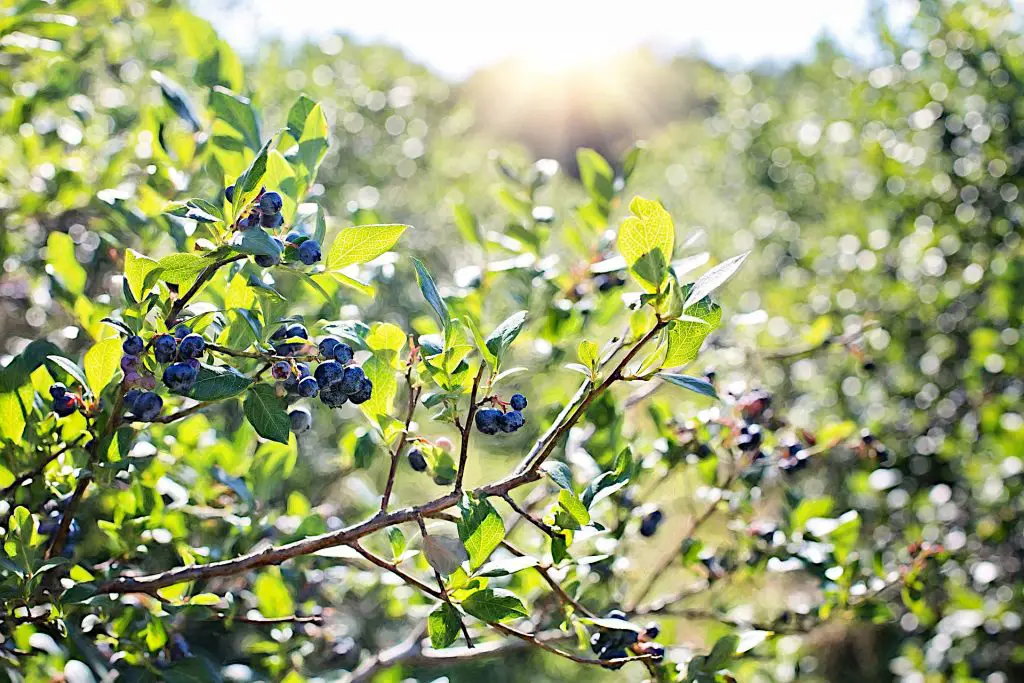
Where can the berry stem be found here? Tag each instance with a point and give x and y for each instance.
(403, 439)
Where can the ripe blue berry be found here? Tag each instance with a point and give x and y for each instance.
(229, 193)
(279, 334)
(293, 237)
(133, 345)
(329, 374)
(308, 387)
(272, 220)
(487, 420)
(327, 347)
(332, 396)
(282, 369)
(179, 377)
(298, 331)
(250, 220)
(271, 202)
(518, 402)
(264, 261)
(148, 406)
(300, 420)
(291, 383)
(649, 524)
(343, 353)
(65, 405)
(129, 363)
(192, 346)
(130, 397)
(57, 390)
(416, 460)
(511, 421)
(652, 631)
(351, 379)
(363, 393)
(181, 331)
(309, 252)
(164, 348)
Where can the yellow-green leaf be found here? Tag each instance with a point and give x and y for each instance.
(136, 268)
(62, 264)
(362, 243)
(101, 363)
(272, 594)
(646, 240)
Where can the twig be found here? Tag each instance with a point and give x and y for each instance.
(203, 278)
(444, 593)
(530, 518)
(259, 355)
(556, 587)
(534, 640)
(38, 469)
(467, 430)
(396, 454)
(180, 415)
(261, 620)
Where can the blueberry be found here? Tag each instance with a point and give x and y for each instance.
(164, 348)
(597, 642)
(652, 631)
(351, 379)
(65, 405)
(129, 363)
(308, 387)
(192, 346)
(229, 193)
(613, 653)
(488, 420)
(329, 374)
(181, 331)
(332, 396)
(272, 220)
(649, 524)
(148, 406)
(654, 650)
(264, 261)
(327, 347)
(282, 369)
(309, 252)
(57, 390)
(291, 383)
(518, 402)
(298, 331)
(416, 460)
(271, 202)
(293, 237)
(300, 420)
(363, 393)
(279, 334)
(250, 220)
(130, 397)
(179, 377)
(133, 345)
(511, 421)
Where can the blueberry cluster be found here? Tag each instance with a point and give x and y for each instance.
(64, 402)
(613, 643)
(650, 523)
(265, 211)
(143, 405)
(306, 248)
(182, 352)
(492, 420)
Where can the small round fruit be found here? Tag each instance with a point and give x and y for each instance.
(250, 220)
(291, 382)
(133, 345)
(148, 406)
(129, 363)
(299, 331)
(650, 523)
(181, 331)
(343, 353)
(179, 377)
(416, 460)
(164, 348)
(293, 237)
(271, 202)
(511, 421)
(192, 346)
(488, 420)
(308, 387)
(65, 405)
(130, 397)
(282, 370)
(264, 261)
(329, 374)
(300, 420)
(333, 397)
(309, 252)
(280, 333)
(327, 346)
(363, 393)
(57, 389)
(352, 378)
(272, 220)
(518, 402)
(229, 193)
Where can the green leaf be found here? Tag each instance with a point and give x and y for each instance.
(808, 509)
(480, 528)
(237, 112)
(397, 540)
(12, 419)
(431, 294)
(588, 353)
(272, 594)
(697, 385)
(362, 243)
(102, 362)
(714, 278)
(467, 224)
(503, 336)
(71, 367)
(494, 604)
(597, 175)
(191, 670)
(62, 264)
(206, 599)
(685, 337)
(256, 241)
(156, 636)
(647, 238)
(182, 269)
(722, 653)
(571, 505)
(247, 186)
(266, 413)
(136, 268)
(559, 473)
(631, 159)
(443, 626)
(217, 383)
(297, 116)
(507, 566)
(381, 373)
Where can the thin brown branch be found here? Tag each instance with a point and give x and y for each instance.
(556, 587)
(534, 640)
(403, 439)
(467, 429)
(204, 277)
(394, 569)
(530, 518)
(38, 469)
(261, 620)
(179, 415)
(832, 340)
(259, 355)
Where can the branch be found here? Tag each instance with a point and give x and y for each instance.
(556, 587)
(203, 278)
(467, 430)
(534, 640)
(38, 469)
(530, 518)
(180, 415)
(396, 454)
(258, 355)
(443, 592)
(261, 620)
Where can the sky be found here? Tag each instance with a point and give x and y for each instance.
(457, 37)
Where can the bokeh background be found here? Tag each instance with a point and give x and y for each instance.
(869, 155)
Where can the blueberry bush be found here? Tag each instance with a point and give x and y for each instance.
(252, 431)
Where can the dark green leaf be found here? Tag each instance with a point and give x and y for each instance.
(237, 112)
(480, 528)
(494, 604)
(431, 294)
(217, 383)
(265, 412)
(443, 626)
(700, 386)
(503, 336)
(257, 242)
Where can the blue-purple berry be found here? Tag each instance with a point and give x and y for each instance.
(511, 421)
(300, 420)
(329, 374)
(487, 420)
(133, 345)
(351, 380)
(192, 346)
(165, 347)
(57, 389)
(271, 202)
(181, 331)
(363, 393)
(309, 252)
(229, 193)
(518, 402)
(272, 220)
(179, 377)
(308, 387)
(148, 406)
(416, 460)
(65, 405)
(281, 370)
